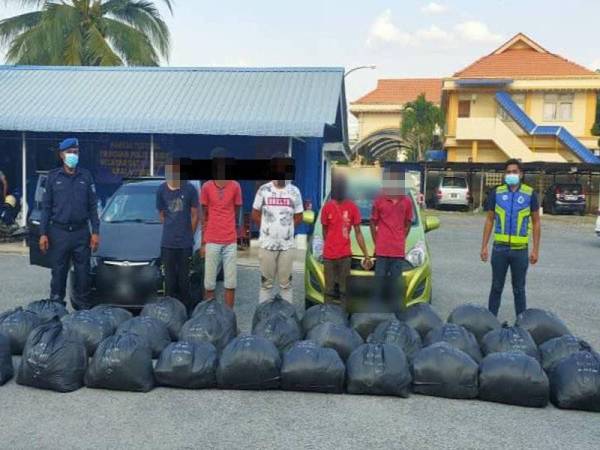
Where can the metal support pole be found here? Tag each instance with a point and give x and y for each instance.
(481, 177)
(151, 155)
(290, 147)
(24, 207)
(425, 187)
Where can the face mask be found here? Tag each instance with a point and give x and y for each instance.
(511, 179)
(71, 160)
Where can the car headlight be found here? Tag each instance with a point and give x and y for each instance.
(317, 248)
(416, 256)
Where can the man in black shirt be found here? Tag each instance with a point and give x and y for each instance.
(177, 203)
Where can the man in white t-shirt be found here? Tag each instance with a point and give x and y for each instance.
(277, 208)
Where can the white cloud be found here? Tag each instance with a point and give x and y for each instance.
(594, 65)
(384, 31)
(434, 33)
(476, 31)
(434, 8)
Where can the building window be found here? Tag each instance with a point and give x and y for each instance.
(464, 108)
(558, 107)
(519, 99)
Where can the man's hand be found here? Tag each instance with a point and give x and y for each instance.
(202, 250)
(535, 255)
(485, 254)
(367, 263)
(94, 242)
(44, 243)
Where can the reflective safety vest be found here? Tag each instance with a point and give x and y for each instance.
(513, 214)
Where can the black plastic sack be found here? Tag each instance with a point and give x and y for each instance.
(53, 359)
(397, 333)
(47, 309)
(341, 338)
(249, 362)
(509, 339)
(122, 362)
(309, 367)
(91, 327)
(212, 328)
(421, 317)
(575, 382)
(378, 369)
(327, 312)
(6, 365)
(513, 378)
(458, 337)
(152, 330)
(442, 370)
(555, 349)
(542, 325)
(281, 330)
(187, 365)
(476, 319)
(366, 322)
(169, 311)
(16, 326)
(116, 315)
(218, 309)
(275, 306)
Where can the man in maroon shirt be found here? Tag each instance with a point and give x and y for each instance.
(391, 219)
(339, 216)
(221, 201)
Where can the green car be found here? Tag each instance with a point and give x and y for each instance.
(417, 269)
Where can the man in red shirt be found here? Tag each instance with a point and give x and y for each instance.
(339, 216)
(221, 201)
(391, 220)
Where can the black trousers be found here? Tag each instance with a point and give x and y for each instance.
(68, 247)
(176, 262)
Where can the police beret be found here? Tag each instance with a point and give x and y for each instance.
(68, 143)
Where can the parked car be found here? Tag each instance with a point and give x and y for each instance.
(564, 198)
(598, 224)
(126, 269)
(452, 191)
(417, 268)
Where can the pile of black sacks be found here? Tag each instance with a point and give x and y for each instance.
(470, 356)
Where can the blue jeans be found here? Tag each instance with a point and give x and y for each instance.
(389, 285)
(504, 257)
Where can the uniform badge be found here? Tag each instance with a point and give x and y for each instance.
(505, 197)
(521, 200)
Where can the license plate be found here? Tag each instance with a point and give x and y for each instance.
(571, 197)
(453, 195)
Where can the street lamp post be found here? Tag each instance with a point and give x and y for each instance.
(370, 66)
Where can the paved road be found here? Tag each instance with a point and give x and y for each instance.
(565, 281)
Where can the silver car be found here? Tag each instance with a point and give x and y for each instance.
(598, 224)
(452, 191)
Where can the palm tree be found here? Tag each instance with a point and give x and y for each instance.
(87, 33)
(421, 120)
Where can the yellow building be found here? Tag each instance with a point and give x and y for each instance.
(524, 102)
(380, 110)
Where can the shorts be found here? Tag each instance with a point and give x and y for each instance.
(217, 254)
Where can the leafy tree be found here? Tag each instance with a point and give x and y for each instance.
(87, 33)
(421, 120)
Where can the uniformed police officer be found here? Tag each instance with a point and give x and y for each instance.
(513, 211)
(69, 208)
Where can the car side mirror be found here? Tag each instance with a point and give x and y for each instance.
(308, 217)
(431, 223)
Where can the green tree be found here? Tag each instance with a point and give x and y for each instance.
(421, 120)
(87, 33)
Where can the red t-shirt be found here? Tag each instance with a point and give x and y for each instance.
(339, 218)
(392, 216)
(221, 203)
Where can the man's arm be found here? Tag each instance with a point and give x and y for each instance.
(537, 234)
(297, 219)
(360, 239)
(45, 217)
(373, 228)
(487, 232)
(4, 184)
(194, 214)
(256, 216)
(93, 213)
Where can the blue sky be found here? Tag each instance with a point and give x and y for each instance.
(404, 38)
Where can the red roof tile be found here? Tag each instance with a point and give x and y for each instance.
(403, 90)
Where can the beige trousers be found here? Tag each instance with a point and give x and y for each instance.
(276, 269)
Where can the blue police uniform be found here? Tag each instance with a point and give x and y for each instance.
(69, 209)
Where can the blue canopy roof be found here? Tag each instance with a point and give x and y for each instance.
(211, 101)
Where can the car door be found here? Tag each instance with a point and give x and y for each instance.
(36, 257)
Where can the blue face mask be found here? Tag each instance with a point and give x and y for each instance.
(511, 179)
(71, 160)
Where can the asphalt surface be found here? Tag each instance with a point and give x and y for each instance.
(564, 281)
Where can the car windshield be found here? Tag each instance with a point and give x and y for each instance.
(570, 189)
(364, 195)
(454, 182)
(132, 205)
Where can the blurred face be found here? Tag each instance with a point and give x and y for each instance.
(394, 184)
(339, 188)
(172, 172)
